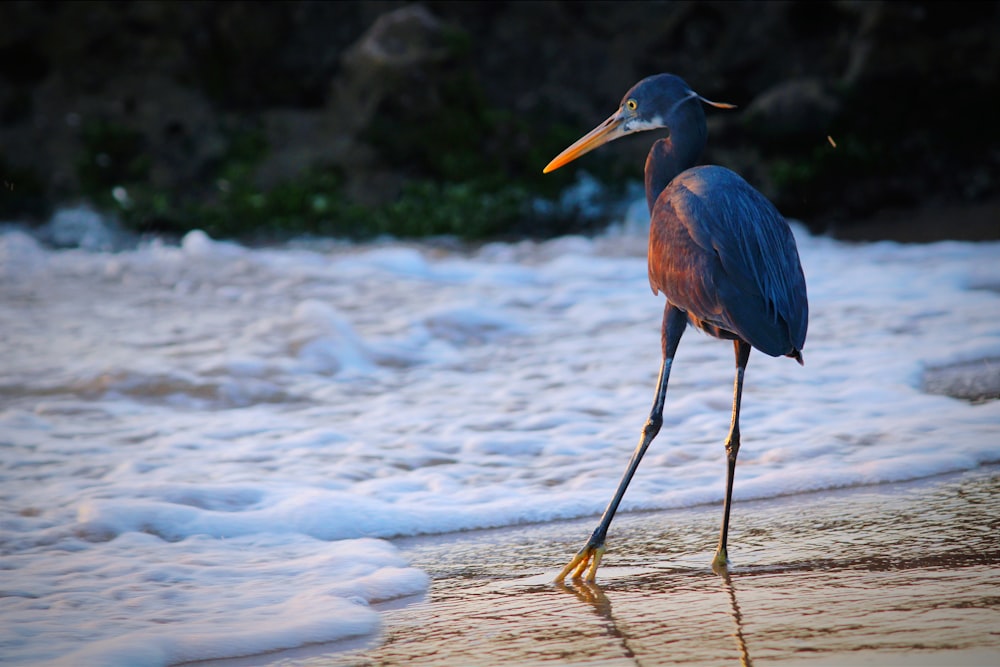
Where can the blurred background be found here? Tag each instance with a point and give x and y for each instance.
(263, 120)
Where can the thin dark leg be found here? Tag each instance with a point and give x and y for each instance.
(732, 450)
(674, 322)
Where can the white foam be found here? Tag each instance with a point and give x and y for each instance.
(137, 600)
(202, 441)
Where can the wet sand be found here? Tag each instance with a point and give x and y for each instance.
(903, 574)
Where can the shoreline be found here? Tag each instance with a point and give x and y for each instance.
(892, 574)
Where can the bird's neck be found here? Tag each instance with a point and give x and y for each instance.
(664, 162)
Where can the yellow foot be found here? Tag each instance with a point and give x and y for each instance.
(720, 564)
(588, 555)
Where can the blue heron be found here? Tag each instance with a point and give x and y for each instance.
(720, 252)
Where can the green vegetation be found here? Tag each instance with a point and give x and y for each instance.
(461, 166)
(313, 203)
(463, 176)
(112, 155)
(824, 163)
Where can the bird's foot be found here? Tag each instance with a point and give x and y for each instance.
(591, 556)
(720, 564)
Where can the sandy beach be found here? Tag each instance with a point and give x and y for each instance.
(901, 574)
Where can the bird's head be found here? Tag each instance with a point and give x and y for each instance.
(659, 101)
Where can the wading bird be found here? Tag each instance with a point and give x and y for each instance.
(718, 250)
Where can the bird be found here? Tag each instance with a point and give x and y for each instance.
(721, 254)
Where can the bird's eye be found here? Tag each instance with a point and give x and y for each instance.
(631, 104)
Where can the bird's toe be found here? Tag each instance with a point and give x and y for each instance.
(584, 565)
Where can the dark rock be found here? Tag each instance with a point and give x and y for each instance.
(794, 109)
(159, 95)
(394, 58)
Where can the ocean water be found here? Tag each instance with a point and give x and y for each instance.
(204, 447)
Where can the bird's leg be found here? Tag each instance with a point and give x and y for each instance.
(721, 559)
(589, 558)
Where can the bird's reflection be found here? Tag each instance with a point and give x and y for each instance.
(741, 642)
(593, 594)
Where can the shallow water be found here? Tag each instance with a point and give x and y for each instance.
(894, 575)
(199, 439)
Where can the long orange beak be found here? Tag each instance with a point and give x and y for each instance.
(609, 130)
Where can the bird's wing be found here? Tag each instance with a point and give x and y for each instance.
(727, 218)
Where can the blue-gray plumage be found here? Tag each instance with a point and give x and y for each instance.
(719, 251)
